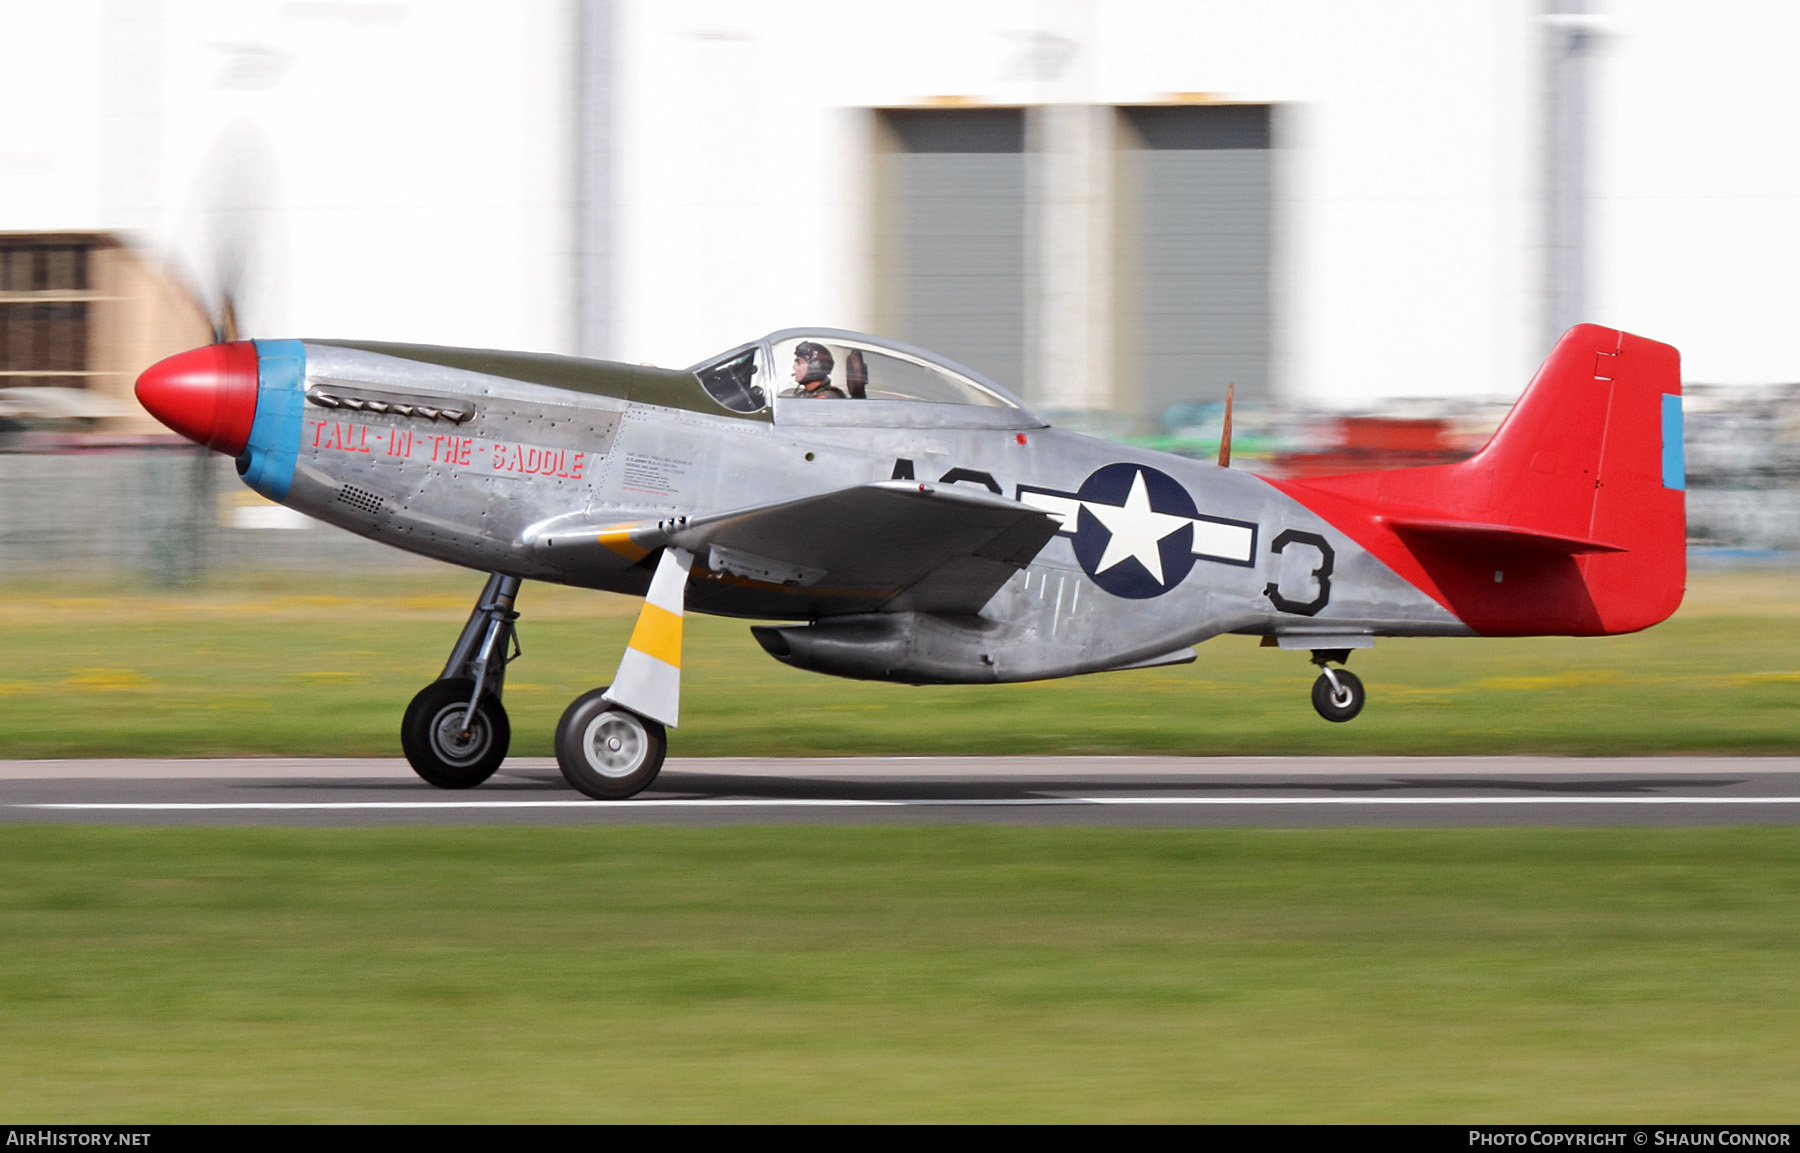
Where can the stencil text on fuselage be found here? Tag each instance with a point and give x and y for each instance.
(472, 453)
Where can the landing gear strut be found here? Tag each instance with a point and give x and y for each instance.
(610, 742)
(455, 732)
(1338, 693)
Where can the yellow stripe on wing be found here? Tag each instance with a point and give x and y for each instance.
(618, 539)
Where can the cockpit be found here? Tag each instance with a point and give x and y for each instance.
(831, 377)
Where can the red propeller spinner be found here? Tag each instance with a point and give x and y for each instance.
(206, 394)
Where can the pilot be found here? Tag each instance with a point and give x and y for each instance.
(812, 373)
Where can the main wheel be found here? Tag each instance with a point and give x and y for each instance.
(608, 752)
(434, 737)
(1340, 703)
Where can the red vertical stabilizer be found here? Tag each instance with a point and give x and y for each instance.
(1571, 521)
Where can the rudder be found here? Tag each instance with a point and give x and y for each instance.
(1593, 450)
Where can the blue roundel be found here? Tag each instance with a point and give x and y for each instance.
(1146, 547)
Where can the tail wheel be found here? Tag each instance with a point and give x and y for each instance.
(608, 752)
(445, 745)
(1340, 701)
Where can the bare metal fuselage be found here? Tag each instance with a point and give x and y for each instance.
(485, 470)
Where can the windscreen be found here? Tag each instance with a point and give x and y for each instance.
(731, 382)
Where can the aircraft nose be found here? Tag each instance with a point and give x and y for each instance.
(206, 394)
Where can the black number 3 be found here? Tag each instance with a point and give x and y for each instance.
(1322, 574)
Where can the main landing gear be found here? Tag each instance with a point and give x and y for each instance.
(456, 732)
(1338, 693)
(608, 752)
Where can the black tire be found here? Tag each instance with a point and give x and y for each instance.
(608, 752)
(431, 735)
(1343, 703)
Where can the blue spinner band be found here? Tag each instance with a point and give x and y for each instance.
(267, 464)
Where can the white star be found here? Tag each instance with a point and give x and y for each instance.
(1136, 530)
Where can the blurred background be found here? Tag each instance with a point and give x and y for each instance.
(1372, 219)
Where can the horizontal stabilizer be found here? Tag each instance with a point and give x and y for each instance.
(1496, 537)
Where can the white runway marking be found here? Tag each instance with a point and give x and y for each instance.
(816, 803)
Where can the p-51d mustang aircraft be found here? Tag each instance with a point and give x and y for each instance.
(916, 523)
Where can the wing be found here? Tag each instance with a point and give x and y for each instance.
(891, 546)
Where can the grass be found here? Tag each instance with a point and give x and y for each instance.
(924, 974)
(327, 667)
(851, 974)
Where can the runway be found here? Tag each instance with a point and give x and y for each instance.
(1100, 791)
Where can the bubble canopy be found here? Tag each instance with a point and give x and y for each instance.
(830, 376)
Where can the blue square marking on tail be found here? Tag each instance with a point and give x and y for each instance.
(1674, 462)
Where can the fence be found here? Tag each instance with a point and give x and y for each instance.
(165, 515)
(175, 515)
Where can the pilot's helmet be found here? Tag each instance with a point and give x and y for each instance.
(818, 361)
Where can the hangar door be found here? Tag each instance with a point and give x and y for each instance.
(950, 235)
(1193, 205)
